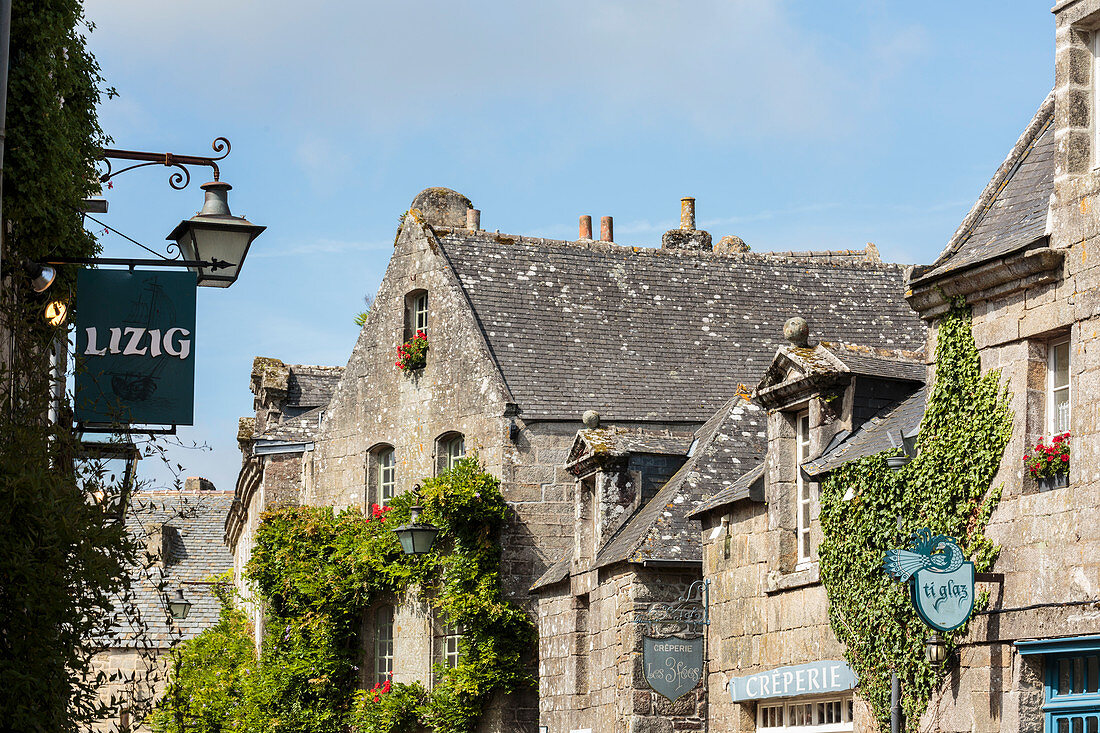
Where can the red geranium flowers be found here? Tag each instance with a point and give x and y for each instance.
(1049, 459)
(413, 354)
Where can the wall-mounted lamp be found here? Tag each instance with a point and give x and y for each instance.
(935, 651)
(40, 275)
(416, 538)
(179, 606)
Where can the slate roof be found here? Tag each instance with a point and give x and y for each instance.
(311, 386)
(730, 443)
(872, 437)
(649, 334)
(738, 490)
(619, 441)
(195, 552)
(1011, 214)
(300, 429)
(907, 366)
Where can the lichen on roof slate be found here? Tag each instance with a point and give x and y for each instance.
(647, 334)
(196, 553)
(729, 444)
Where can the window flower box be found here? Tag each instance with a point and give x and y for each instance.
(1048, 463)
(413, 354)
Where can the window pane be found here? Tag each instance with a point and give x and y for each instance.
(1063, 725)
(1078, 675)
(385, 476)
(383, 644)
(1094, 674)
(1063, 677)
(1061, 365)
(1061, 411)
(1091, 723)
(421, 311)
(1078, 725)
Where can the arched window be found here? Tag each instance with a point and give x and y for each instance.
(381, 475)
(449, 448)
(416, 313)
(383, 644)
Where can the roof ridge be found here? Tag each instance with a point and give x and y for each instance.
(1039, 123)
(876, 351)
(598, 245)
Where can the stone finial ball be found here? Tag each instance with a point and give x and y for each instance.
(591, 419)
(797, 331)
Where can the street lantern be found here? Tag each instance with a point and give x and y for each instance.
(215, 236)
(416, 538)
(179, 606)
(935, 651)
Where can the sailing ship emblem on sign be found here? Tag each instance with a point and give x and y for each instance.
(941, 579)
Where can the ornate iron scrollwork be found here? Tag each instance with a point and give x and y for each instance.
(685, 617)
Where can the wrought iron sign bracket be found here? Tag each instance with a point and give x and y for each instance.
(214, 264)
(689, 614)
(179, 179)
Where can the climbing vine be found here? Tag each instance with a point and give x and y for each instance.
(947, 488)
(319, 571)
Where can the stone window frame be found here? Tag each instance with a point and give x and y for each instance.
(445, 455)
(1094, 88)
(416, 312)
(375, 487)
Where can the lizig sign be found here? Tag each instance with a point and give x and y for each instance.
(941, 579)
(135, 347)
(674, 647)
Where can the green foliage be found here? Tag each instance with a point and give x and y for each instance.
(64, 560)
(211, 678)
(946, 488)
(319, 571)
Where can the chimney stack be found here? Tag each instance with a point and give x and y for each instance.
(473, 219)
(687, 236)
(586, 227)
(687, 214)
(606, 231)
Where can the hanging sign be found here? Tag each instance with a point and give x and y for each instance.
(673, 666)
(813, 678)
(135, 347)
(941, 579)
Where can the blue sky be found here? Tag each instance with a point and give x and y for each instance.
(806, 125)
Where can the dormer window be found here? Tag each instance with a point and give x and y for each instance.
(416, 313)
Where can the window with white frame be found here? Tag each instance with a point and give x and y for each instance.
(451, 637)
(420, 313)
(454, 449)
(383, 644)
(386, 474)
(820, 715)
(1058, 391)
(802, 454)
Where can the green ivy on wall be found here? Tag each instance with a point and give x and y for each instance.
(947, 487)
(318, 573)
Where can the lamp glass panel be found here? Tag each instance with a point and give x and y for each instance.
(226, 243)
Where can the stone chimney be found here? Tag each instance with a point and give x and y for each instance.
(687, 236)
(473, 219)
(586, 227)
(269, 384)
(198, 483)
(607, 233)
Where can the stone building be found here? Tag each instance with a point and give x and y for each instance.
(277, 453)
(182, 531)
(1026, 259)
(525, 336)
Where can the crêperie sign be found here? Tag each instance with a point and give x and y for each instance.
(135, 348)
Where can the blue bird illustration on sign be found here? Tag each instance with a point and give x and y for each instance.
(943, 580)
(938, 553)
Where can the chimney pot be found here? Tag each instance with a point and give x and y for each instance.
(687, 214)
(607, 233)
(473, 219)
(586, 227)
